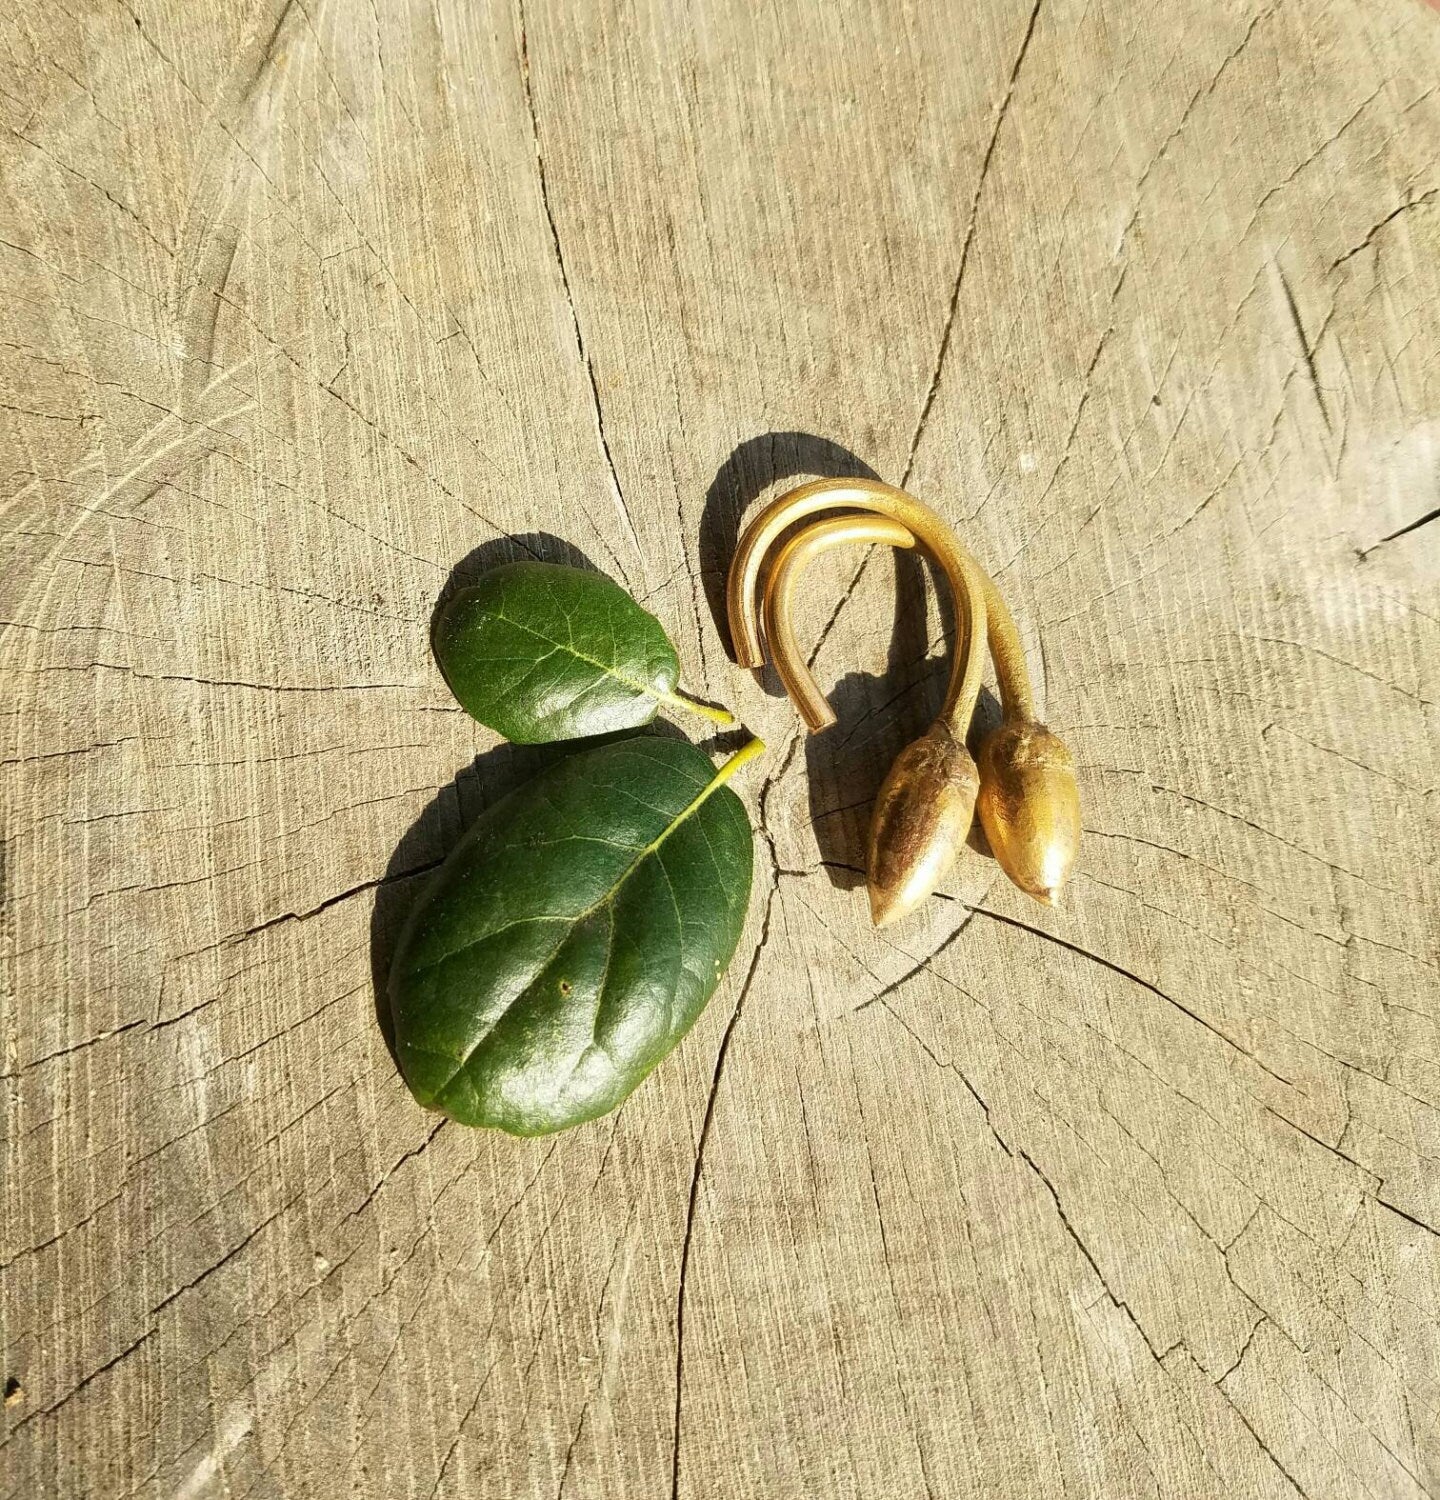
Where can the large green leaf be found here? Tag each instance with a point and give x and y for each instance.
(542, 652)
(573, 936)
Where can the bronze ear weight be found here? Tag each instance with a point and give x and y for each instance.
(1024, 787)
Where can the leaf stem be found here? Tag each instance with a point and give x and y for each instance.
(743, 756)
(677, 699)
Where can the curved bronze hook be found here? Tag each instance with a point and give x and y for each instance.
(1027, 795)
(780, 586)
(976, 597)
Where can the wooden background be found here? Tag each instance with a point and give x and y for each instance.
(307, 303)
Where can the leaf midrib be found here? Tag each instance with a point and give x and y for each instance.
(572, 650)
(717, 780)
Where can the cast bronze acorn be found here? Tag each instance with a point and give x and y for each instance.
(922, 815)
(1029, 806)
(1024, 787)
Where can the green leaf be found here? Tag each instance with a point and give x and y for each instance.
(541, 652)
(573, 936)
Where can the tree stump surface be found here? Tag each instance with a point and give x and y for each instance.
(314, 307)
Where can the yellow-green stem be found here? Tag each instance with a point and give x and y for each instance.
(677, 699)
(742, 757)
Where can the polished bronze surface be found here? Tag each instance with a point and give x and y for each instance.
(922, 815)
(1024, 788)
(781, 583)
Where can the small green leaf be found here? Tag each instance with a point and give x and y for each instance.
(573, 936)
(541, 652)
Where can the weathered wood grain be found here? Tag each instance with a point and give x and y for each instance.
(305, 302)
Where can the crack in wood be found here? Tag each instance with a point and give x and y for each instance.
(377, 233)
(587, 362)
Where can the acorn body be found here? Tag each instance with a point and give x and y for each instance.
(921, 819)
(1029, 806)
